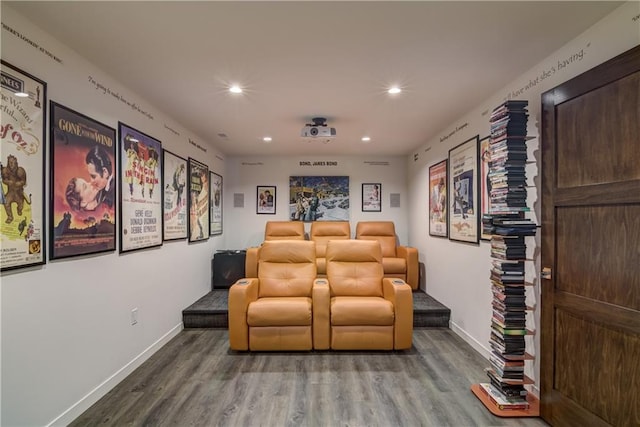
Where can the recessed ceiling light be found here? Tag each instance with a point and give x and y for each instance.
(393, 90)
(267, 139)
(21, 94)
(366, 139)
(235, 89)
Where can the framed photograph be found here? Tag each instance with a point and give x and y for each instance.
(140, 189)
(83, 184)
(438, 199)
(174, 173)
(485, 183)
(215, 216)
(319, 198)
(371, 197)
(464, 216)
(266, 200)
(198, 226)
(22, 166)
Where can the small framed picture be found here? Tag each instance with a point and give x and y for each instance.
(438, 199)
(371, 197)
(266, 200)
(198, 202)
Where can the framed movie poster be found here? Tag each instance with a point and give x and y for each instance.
(198, 203)
(140, 189)
(371, 197)
(319, 198)
(464, 218)
(22, 152)
(266, 199)
(438, 199)
(485, 183)
(175, 196)
(215, 216)
(83, 184)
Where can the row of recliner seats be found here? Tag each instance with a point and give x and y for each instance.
(397, 261)
(287, 307)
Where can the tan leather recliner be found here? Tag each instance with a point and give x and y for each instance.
(321, 233)
(275, 310)
(366, 310)
(273, 230)
(397, 261)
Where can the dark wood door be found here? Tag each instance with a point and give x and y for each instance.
(590, 342)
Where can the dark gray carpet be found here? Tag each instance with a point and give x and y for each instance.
(210, 311)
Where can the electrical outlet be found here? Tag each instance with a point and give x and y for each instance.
(134, 316)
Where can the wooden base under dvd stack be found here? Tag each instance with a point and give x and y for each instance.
(533, 411)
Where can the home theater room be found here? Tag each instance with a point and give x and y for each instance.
(320, 213)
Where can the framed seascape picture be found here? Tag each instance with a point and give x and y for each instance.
(266, 199)
(140, 189)
(83, 181)
(371, 197)
(485, 183)
(198, 203)
(463, 189)
(438, 199)
(174, 208)
(22, 166)
(319, 198)
(215, 216)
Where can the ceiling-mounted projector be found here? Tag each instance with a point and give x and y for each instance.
(318, 129)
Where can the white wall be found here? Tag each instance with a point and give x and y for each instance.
(66, 332)
(457, 274)
(245, 173)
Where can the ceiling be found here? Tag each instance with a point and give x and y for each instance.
(299, 60)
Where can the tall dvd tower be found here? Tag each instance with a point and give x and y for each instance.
(505, 394)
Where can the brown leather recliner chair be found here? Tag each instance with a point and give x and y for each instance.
(273, 230)
(321, 233)
(366, 311)
(275, 310)
(397, 261)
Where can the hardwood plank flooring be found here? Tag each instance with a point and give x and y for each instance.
(195, 380)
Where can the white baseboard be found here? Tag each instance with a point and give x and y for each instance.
(94, 395)
(477, 346)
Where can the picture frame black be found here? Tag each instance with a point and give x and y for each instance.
(83, 182)
(215, 204)
(438, 219)
(463, 192)
(141, 190)
(23, 234)
(266, 200)
(485, 183)
(372, 197)
(175, 196)
(198, 201)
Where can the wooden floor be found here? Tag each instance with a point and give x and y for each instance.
(195, 380)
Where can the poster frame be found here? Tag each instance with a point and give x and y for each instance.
(464, 226)
(38, 245)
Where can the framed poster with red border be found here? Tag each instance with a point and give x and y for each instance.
(83, 181)
(438, 199)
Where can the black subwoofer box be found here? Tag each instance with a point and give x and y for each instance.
(226, 268)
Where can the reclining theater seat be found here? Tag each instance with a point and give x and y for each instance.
(367, 310)
(274, 311)
(321, 233)
(397, 261)
(273, 230)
